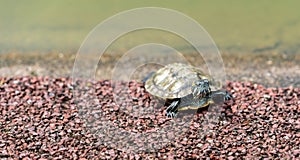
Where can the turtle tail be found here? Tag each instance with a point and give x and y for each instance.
(147, 77)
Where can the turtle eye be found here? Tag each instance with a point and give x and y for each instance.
(198, 83)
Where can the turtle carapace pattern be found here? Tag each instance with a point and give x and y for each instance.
(185, 86)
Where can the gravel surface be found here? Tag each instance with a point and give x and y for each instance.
(270, 69)
(44, 117)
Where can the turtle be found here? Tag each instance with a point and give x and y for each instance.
(185, 87)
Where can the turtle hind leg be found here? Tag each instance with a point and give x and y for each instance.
(172, 109)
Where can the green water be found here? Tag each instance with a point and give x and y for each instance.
(61, 26)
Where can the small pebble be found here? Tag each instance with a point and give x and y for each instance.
(45, 118)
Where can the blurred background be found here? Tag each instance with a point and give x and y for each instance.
(61, 26)
(258, 40)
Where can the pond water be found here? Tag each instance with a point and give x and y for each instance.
(61, 26)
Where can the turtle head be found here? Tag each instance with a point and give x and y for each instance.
(200, 88)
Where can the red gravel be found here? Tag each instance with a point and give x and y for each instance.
(51, 118)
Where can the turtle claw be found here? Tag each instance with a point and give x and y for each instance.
(171, 114)
(172, 109)
(228, 96)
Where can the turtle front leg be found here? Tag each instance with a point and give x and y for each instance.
(172, 109)
(221, 96)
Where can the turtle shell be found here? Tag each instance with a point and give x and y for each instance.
(174, 80)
